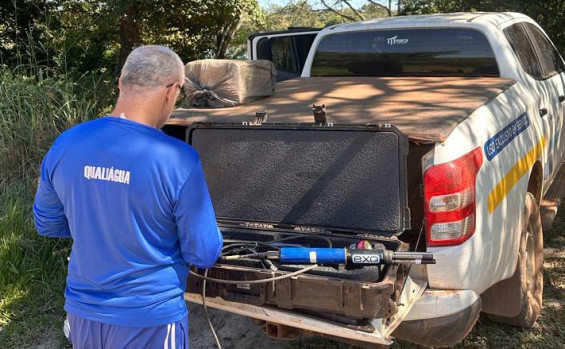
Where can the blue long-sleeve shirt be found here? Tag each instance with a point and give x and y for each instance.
(136, 204)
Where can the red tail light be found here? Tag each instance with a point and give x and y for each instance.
(449, 194)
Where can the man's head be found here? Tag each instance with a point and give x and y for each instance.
(151, 79)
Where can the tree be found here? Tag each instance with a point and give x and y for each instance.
(299, 13)
(194, 28)
(371, 9)
(99, 34)
(24, 22)
(131, 14)
(374, 9)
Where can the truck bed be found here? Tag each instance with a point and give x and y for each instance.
(443, 102)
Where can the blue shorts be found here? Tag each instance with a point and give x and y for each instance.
(88, 334)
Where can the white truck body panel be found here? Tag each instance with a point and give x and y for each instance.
(441, 303)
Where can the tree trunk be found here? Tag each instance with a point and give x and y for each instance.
(131, 30)
(225, 36)
(337, 12)
(357, 13)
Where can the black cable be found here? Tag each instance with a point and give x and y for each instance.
(239, 251)
(234, 242)
(246, 243)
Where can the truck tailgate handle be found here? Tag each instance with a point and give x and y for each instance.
(543, 111)
(561, 98)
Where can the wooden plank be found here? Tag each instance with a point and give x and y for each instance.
(293, 319)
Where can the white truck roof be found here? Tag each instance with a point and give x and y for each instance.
(438, 19)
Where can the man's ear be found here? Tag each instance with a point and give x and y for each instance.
(120, 83)
(171, 92)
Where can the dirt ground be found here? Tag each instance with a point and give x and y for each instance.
(234, 331)
(239, 332)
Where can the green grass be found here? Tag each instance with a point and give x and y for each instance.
(34, 109)
(32, 277)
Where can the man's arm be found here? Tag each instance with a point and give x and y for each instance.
(48, 212)
(200, 239)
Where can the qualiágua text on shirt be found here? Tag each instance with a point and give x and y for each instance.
(106, 174)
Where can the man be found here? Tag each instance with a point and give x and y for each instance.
(136, 205)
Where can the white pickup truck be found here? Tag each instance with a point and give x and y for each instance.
(480, 98)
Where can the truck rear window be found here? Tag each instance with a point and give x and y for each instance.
(405, 52)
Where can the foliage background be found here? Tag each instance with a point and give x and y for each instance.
(97, 35)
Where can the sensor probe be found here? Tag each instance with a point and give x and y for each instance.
(304, 255)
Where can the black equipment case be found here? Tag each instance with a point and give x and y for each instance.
(315, 185)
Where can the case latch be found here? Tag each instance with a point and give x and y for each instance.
(260, 116)
(320, 116)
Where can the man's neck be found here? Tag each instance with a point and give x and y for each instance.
(136, 110)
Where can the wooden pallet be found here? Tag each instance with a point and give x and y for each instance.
(553, 199)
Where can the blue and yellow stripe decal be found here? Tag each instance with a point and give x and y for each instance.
(512, 177)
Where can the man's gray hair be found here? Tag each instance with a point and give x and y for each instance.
(150, 67)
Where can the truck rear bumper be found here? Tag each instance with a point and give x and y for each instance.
(440, 331)
(440, 303)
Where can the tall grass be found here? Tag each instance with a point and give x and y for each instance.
(34, 110)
